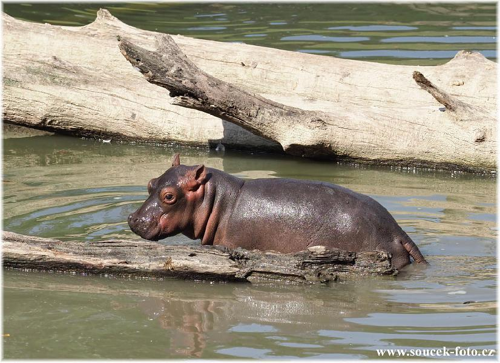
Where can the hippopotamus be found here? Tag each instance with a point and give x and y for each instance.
(283, 215)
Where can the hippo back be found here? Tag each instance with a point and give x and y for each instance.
(289, 215)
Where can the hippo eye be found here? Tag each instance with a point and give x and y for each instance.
(168, 197)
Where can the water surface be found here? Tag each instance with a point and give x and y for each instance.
(422, 34)
(56, 186)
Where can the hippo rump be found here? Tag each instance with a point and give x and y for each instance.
(283, 215)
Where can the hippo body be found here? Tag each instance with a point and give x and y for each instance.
(283, 215)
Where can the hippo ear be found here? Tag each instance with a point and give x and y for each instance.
(176, 161)
(196, 177)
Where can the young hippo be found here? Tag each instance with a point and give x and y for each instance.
(283, 215)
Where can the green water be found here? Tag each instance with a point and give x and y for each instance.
(69, 188)
(421, 34)
(56, 186)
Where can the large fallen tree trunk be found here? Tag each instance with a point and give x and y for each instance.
(350, 134)
(141, 258)
(73, 80)
(442, 116)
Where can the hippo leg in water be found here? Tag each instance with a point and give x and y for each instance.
(283, 215)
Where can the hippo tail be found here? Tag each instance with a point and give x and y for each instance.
(413, 250)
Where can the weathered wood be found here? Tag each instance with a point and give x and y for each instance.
(73, 80)
(458, 109)
(365, 111)
(190, 87)
(141, 258)
(301, 132)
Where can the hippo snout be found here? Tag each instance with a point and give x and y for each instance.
(134, 223)
(144, 226)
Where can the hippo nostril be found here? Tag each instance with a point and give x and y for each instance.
(132, 221)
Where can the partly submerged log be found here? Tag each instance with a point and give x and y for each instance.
(148, 259)
(74, 80)
(361, 134)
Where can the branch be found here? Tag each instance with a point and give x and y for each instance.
(168, 67)
(141, 258)
(343, 134)
(450, 103)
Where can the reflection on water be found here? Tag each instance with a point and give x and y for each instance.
(421, 34)
(67, 188)
(101, 318)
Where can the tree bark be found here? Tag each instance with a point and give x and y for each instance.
(141, 258)
(74, 81)
(310, 105)
(317, 133)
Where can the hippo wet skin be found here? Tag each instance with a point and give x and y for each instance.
(283, 215)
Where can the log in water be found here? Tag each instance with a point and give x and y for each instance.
(148, 259)
(75, 81)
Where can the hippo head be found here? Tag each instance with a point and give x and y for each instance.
(172, 203)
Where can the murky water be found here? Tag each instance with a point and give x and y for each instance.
(69, 188)
(421, 34)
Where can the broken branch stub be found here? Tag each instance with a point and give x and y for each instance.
(449, 102)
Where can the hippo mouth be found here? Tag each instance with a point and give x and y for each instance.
(158, 233)
(151, 234)
(151, 229)
(160, 236)
(154, 235)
